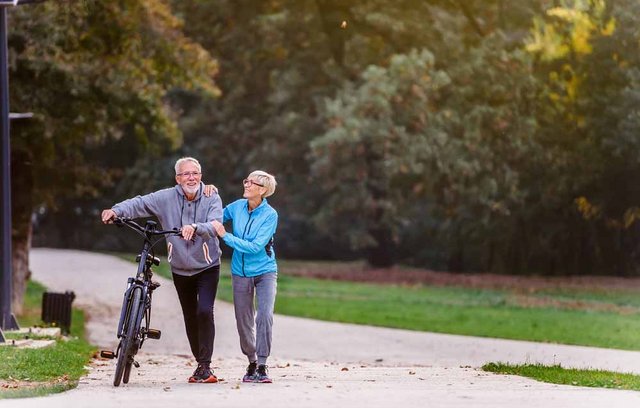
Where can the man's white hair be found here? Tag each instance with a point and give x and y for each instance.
(266, 179)
(183, 160)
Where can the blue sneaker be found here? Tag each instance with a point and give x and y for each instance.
(250, 376)
(262, 375)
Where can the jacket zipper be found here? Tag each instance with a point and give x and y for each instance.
(243, 234)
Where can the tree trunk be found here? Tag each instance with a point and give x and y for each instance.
(456, 256)
(21, 243)
(381, 255)
(22, 207)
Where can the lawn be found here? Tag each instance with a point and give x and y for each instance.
(568, 376)
(34, 372)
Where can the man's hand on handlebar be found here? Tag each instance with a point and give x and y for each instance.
(108, 215)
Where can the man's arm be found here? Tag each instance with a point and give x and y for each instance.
(214, 212)
(139, 206)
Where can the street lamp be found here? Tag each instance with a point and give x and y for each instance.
(7, 319)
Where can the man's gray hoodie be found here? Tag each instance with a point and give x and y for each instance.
(173, 210)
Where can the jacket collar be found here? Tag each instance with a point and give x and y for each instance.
(258, 208)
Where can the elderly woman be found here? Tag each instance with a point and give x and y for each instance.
(253, 269)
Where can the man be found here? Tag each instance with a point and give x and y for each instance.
(194, 258)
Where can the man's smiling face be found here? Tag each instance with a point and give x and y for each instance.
(189, 178)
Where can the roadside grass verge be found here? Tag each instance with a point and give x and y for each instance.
(590, 318)
(568, 376)
(35, 372)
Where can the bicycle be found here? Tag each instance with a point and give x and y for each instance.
(135, 315)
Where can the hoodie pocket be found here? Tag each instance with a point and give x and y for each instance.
(207, 256)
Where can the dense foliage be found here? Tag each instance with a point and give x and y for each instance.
(96, 75)
(481, 135)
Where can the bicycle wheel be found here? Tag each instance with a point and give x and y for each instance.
(128, 341)
(127, 370)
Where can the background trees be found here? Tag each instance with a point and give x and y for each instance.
(459, 135)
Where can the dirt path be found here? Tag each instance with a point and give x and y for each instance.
(314, 364)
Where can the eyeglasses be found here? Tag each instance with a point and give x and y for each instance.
(188, 174)
(247, 182)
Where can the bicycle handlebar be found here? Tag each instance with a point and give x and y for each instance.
(147, 231)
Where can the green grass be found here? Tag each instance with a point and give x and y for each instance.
(592, 318)
(454, 310)
(568, 376)
(47, 370)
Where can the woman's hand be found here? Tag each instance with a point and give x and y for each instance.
(209, 189)
(219, 228)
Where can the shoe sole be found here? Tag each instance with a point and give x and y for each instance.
(210, 380)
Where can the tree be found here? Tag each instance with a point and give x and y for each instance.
(358, 161)
(587, 111)
(96, 74)
(414, 140)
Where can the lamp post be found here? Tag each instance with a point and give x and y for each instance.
(7, 319)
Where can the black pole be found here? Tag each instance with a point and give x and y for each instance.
(7, 320)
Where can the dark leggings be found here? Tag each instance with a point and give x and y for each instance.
(197, 294)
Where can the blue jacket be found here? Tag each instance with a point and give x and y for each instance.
(252, 231)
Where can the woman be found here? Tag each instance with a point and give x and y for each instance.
(254, 270)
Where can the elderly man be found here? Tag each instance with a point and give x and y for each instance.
(194, 258)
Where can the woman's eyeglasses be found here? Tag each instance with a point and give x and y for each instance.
(248, 183)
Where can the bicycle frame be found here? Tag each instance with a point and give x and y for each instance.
(142, 280)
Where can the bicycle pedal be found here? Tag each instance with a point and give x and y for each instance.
(107, 354)
(136, 364)
(154, 334)
(154, 285)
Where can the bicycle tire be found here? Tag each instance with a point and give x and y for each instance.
(133, 349)
(127, 371)
(124, 357)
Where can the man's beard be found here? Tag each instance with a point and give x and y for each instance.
(190, 190)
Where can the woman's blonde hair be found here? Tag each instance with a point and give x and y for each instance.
(266, 179)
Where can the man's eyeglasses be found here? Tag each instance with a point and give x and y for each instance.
(189, 174)
(247, 182)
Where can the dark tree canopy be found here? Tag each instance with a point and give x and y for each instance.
(464, 135)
